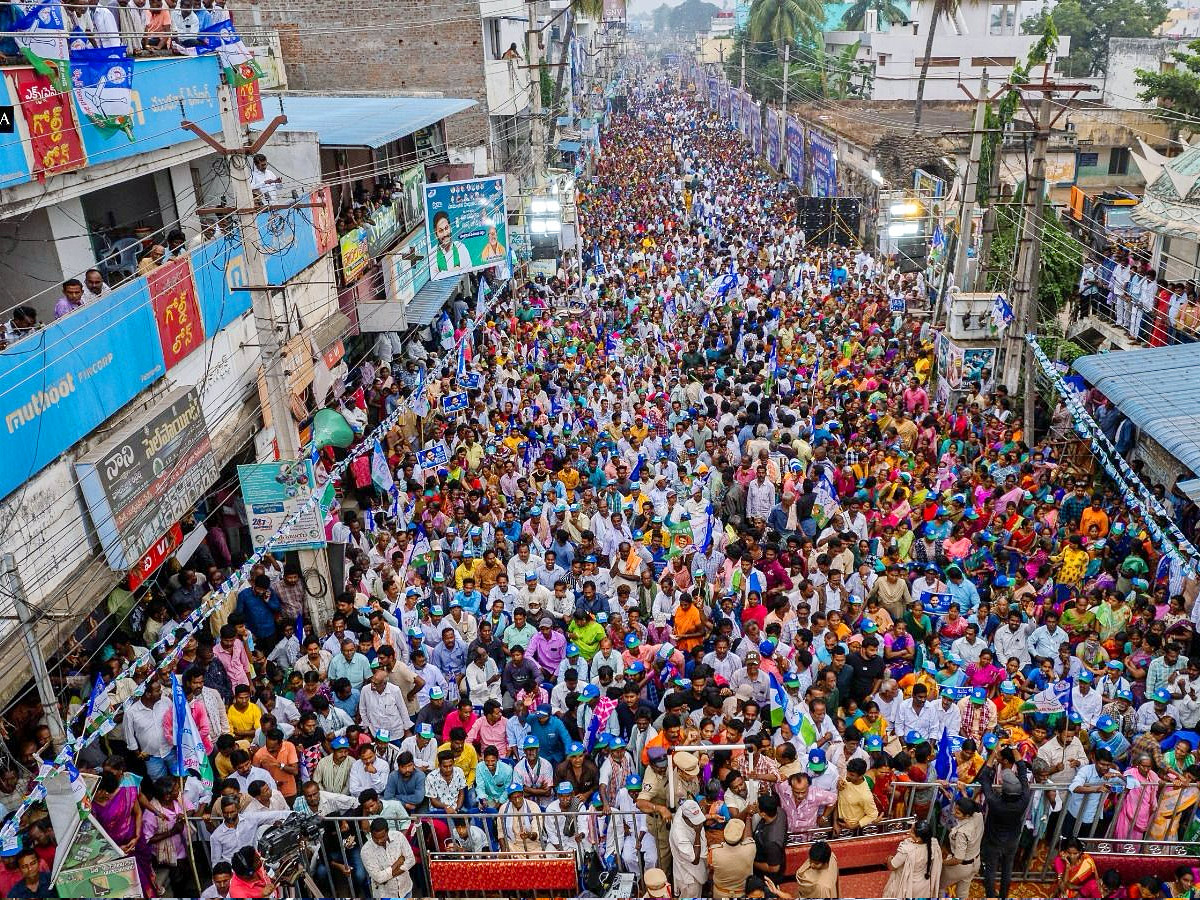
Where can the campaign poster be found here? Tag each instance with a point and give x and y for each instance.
(466, 225)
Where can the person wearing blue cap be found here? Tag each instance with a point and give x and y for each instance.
(519, 828)
(535, 773)
(552, 736)
(637, 847)
(1107, 735)
(977, 715)
(558, 830)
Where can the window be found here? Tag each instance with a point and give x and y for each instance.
(1002, 19)
(983, 62)
(1118, 161)
(938, 62)
(491, 33)
(883, 59)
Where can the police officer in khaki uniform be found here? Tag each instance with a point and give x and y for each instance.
(653, 802)
(732, 862)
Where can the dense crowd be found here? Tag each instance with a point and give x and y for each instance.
(702, 500)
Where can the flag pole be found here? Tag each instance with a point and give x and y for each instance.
(187, 836)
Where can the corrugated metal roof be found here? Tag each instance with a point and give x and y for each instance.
(1158, 389)
(425, 306)
(354, 120)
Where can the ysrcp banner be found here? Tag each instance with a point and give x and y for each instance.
(713, 87)
(735, 109)
(794, 163)
(823, 153)
(756, 135)
(747, 113)
(466, 225)
(774, 150)
(723, 100)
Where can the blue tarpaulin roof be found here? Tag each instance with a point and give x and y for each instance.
(430, 299)
(570, 146)
(352, 120)
(1157, 389)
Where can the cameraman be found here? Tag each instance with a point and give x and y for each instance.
(238, 829)
(250, 877)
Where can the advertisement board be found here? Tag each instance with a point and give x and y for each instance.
(466, 225)
(273, 491)
(14, 165)
(794, 164)
(756, 134)
(219, 270)
(59, 384)
(354, 256)
(148, 476)
(774, 141)
(176, 309)
(822, 154)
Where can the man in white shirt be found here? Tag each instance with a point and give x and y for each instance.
(263, 181)
(388, 858)
(381, 705)
(144, 732)
(918, 714)
(368, 771)
(105, 31)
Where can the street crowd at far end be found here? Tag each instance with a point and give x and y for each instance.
(701, 500)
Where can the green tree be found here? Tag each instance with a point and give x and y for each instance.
(1177, 93)
(1061, 255)
(854, 18)
(781, 22)
(662, 17)
(942, 9)
(1090, 23)
(691, 16)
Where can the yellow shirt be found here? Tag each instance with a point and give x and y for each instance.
(244, 721)
(856, 805)
(468, 568)
(467, 761)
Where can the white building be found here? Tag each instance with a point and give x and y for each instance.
(980, 36)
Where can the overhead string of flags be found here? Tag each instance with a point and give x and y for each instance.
(99, 715)
(1134, 493)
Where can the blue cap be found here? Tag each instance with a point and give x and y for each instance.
(572, 650)
(873, 743)
(516, 788)
(990, 740)
(531, 743)
(603, 740)
(1106, 723)
(1125, 694)
(575, 749)
(425, 730)
(1161, 695)
(632, 640)
(1007, 687)
(1086, 677)
(616, 742)
(1075, 718)
(543, 709)
(633, 782)
(978, 695)
(564, 787)
(340, 743)
(914, 737)
(590, 692)
(947, 692)
(816, 759)
(767, 647)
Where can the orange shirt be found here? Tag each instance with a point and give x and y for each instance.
(1090, 517)
(687, 620)
(286, 756)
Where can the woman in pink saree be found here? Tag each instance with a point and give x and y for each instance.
(115, 807)
(1139, 802)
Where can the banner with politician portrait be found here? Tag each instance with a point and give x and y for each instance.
(466, 224)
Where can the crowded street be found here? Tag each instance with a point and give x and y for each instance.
(712, 593)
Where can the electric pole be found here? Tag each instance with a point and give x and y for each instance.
(742, 85)
(41, 676)
(246, 208)
(787, 64)
(1028, 263)
(533, 53)
(970, 187)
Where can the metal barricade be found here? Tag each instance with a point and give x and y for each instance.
(1148, 820)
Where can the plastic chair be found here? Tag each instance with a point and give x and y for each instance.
(127, 250)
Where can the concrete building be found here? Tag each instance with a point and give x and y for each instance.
(980, 36)
(1127, 55)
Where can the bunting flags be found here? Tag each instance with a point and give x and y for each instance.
(381, 471)
(1002, 312)
(236, 58)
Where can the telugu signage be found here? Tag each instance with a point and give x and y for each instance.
(148, 476)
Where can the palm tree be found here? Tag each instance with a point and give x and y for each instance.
(780, 22)
(941, 9)
(854, 17)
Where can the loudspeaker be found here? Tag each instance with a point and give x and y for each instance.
(829, 220)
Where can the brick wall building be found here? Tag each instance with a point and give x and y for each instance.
(388, 45)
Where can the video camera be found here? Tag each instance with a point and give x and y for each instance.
(281, 846)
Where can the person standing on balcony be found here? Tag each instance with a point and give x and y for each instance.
(263, 181)
(71, 299)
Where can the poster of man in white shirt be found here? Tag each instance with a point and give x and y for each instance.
(450, 257)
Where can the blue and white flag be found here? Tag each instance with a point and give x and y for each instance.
(944, 764)
(300, 628)
(236, 59)
(938, 240)
(189, 747)
(445, 331)
(1002, 312)
(43, 41)
(381, 472)
(720, 286)
(102, 82)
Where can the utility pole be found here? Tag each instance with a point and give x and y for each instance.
(742, 85)
(970, 187)
(533, 53)
(233, 145)
(1028, 264)
(41, 677)
(787, 65)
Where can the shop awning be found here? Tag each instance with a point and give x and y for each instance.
(354, 120)
(570, 146)
(429, 301)
(1157, 389)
